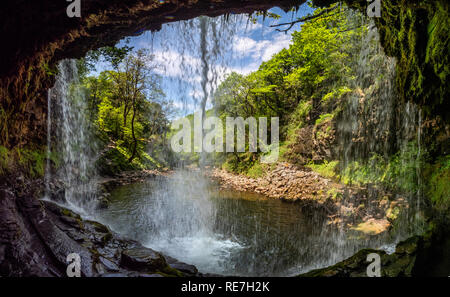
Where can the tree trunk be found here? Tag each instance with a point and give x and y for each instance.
(133, 154)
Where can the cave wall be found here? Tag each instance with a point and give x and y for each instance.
(416, 33)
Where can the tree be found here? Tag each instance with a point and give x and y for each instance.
(130, 107)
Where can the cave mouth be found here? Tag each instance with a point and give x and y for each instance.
(181, 217)
(365, 154)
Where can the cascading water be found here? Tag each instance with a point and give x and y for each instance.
(73, 141)
(47, 176)
(184, 217)
(373, 127)
(202, 58)
(226, 232)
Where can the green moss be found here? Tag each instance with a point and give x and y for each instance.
(49, 70)
(169, 271)
(257, 170)
(326, 169)
(392, 213)
(334, 194)
(4, 159)
(30, 161)
(438, 187)
(399, 172)
(417, 35)
(323, 118)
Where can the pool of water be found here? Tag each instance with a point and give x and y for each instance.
(226, 232)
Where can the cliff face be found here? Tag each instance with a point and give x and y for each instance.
(417, 33)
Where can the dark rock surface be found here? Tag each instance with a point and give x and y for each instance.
(415, 256)
(142, 259)
(36, 237)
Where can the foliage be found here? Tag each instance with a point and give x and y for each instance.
(438, 187)
(326, 169)
(301, 84)
(30, 161)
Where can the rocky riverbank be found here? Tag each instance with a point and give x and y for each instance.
(285, 181)
(302, 185)
(36, 236)
(130, 177)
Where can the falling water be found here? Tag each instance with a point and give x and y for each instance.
(74, 142)
(47, 176)
(180, 215)
(201, 56)
(226, 232)
(174, 215)
(375, 126)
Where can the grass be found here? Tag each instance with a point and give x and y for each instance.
(438, 186)
(326, 169)
(257, 170)
(30, 161)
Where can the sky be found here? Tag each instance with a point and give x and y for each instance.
(236, 44)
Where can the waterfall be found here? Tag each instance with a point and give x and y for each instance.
(379, 137)
(73, 140)
(174, 215)
(47, 176)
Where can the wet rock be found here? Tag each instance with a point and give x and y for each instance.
(119, 274)
(103, 203)
(109, 265)
(408, 260)
(181, 266)
(59, 195)
(373, 226)
(145, 275)
(142, 259)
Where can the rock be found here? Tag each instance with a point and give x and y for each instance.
(148, 275)
(142, 259)
(181, 266)
(414, 256)
(36, 237)
(120, 274)
(59, 195)
(373, 226)
(103, 203)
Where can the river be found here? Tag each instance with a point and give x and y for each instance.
(187, 217)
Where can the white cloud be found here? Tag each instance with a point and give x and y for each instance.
(175, 65)
(251, 27)
(280, 42)
(261, 50)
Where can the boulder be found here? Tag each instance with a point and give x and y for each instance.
(143, 260)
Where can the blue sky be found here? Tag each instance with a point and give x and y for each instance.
(241, 47)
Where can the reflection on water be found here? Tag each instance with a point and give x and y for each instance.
(227, 232)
